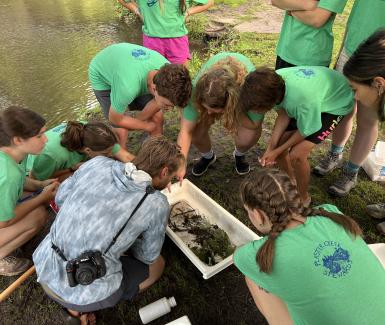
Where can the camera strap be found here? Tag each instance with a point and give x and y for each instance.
(149, 190)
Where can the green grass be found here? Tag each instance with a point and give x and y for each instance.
(223, 299)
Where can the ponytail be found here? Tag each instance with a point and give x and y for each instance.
(94, 135)
(182, 6)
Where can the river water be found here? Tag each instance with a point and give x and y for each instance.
(45, 49)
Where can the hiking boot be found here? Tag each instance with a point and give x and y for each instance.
(343, 184)
(328, 163)
(202, 165)
(376, 210)
(11, 265)
(242, 167)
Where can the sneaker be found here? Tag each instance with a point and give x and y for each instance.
(376, 210)
(328, 163)
(202, 165)
(343, 184)
(242, 167)
(11, 265)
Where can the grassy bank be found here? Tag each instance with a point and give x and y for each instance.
(224, 299)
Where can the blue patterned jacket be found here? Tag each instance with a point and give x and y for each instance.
(94, 204)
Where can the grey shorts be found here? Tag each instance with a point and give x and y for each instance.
(134, 273)
(104, 99)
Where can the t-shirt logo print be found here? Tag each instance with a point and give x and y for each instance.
(150, 3)
(140, 54)
(333, 259)
(305, 73)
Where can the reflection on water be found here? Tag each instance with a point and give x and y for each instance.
(45, 49)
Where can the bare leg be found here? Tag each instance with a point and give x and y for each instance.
(122, 135)
(247, 135)
(366, 134)
(299, 160)
(156, 271)
(343, 130)
(200, 136)
(158, 119)
(16, 235)
(283, 160)
(272, 307)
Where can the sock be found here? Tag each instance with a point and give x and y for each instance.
(352, 168)
(237, 153)
(208, 155)
(336, 149)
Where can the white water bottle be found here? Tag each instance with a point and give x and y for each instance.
(156, 309)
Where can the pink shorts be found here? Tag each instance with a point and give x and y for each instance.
(175, 49)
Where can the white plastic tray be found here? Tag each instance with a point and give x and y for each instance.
(238, 233)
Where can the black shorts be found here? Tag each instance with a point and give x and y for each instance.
(104, 99)
(281, 63)
(134, 273)
(329, 123)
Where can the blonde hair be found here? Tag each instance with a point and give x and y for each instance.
(219, 87)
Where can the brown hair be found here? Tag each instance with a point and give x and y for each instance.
(173, 82)
(271, 191)
(157, 153)
(95, 135)
(19, 122)
(262, 90)
(367, 63)
(218, 87)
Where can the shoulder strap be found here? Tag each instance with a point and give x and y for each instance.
(149, 190)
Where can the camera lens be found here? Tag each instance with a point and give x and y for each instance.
(85, 274)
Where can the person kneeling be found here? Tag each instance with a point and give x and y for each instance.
(103, 237)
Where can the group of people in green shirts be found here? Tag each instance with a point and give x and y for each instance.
(312, 267)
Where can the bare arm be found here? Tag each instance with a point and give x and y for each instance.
(148, 111)
(185, 135)
(26, 207)
(133, 7)
(124, 156)
(199, 8)
(128, 122)
(295, 4)
(281, 123)
(315, 18)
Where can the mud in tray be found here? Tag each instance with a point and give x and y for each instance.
(204, 231)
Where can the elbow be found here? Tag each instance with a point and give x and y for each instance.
(210, 4)
(318, 23)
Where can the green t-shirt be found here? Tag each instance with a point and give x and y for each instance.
(165, 20)
(301, 44)
(55, 157)
(190, 113)
(311, 91)
(12, 179)
(321, 273)
(123, 68)
(365, 18)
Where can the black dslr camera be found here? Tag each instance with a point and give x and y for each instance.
(85, 269)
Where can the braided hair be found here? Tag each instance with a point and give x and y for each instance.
(271, 191)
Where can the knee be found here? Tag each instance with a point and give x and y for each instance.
(296, 158)
(158, 118)
(40, 218)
